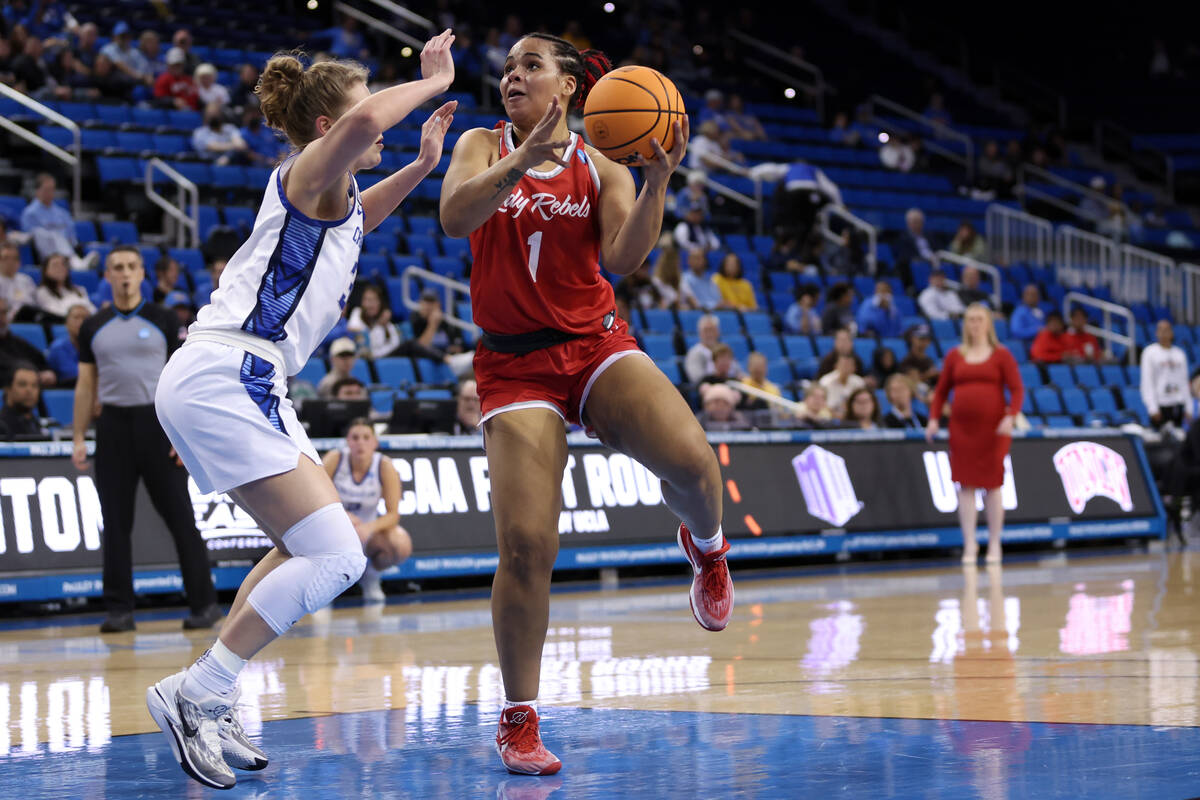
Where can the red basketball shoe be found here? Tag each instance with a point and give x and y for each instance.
(520, 744)
(712, 588)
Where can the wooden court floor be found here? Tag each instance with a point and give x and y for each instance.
(1108, 640)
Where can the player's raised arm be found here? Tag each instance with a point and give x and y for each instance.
(335, 145)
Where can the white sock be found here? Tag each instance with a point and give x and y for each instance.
(215, 672)
(370, 576)
(708, 545)
(511, 703)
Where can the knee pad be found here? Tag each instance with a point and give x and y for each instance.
(327, 558)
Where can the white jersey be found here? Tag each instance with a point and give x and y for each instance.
(290, 280)
(1164, 377)
(360, 498)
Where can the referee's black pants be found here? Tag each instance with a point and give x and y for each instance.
(130, 444)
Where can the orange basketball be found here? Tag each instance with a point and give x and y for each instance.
(627, 108)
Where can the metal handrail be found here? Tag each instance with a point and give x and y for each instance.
(1189, 292)
(1151, 159)
(401, 11)
(1006, 246)
(74, 159)
(382, 27)
(1024, 191)
(184, 190)
(1148, 276)
(830, 210)
(966, 159)
(990, 269)
(1106, 332)
(449, 285)
(1100, 269)
(749, 202)
(818, 87)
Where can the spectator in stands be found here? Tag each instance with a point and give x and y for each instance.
(839, 309)
(63, 355)
(667, 278)
(698, 290)
(6, 59)
(916, 362)
(218, 140)
(85, 49)
(58, 295)
(898, 152)
(1081, 345)
(913, 244)
(109, 82)
(350, 389)
(699, 359)
(691, 234)
(166, 275)
(790, 252)
(841, 383)
(743, 124)
(638, 289)
(938, 301)
(843, 345)
(185, 312)
(723, 365)
(1094, 205)
(900, 398)
(125, 57)
(1028, 318)
(736, 291)
(264, 146)
(372, 320)
(994, 174)
(709, 150)
(847, 257)
(430, 327)
(51, 226)
(21, 393)
(1051, 342)
(208, 90)
(14, 350)
(17, 288)
(346, 40)
(878, 315)
(801, 316)
(150, 46)
(756, 377)
(242, 95)
(30, 71)
(714, 110)
(175, 87)
(969, 291)
(68, 78)
(1165, 378)
(342, 358)
(967, 242)
(815, 411)
(215, 268)
(862, 410)
(693, 195)
(719, 404)
(883, 366)
(182, 39)
(467, 411)
(842, 133)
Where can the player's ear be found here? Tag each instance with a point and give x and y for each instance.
(569, 85)
(323, 124)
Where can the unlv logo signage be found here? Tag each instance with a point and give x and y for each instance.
(1092, 470)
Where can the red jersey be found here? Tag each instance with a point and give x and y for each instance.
(1083, 344)
(537, 258)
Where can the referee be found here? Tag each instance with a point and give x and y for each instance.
(122, 350)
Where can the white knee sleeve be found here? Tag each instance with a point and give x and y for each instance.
(327, 558)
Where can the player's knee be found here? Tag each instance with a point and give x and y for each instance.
(328, 539)
(527, 555)
(694, 465)
(387, 551)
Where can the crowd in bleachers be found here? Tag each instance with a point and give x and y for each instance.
(798, 314)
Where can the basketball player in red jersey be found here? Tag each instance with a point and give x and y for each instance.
(542, 209)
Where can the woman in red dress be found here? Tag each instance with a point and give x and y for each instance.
(542, 209)
(981, 424)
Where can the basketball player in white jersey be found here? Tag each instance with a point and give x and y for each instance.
(363, 477)
(222, 398)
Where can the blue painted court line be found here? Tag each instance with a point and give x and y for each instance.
(429, 753)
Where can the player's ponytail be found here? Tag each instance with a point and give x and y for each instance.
(586, 67)
(595, 65)
(292, 96)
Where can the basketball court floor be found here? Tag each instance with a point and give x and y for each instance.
(1051, 677)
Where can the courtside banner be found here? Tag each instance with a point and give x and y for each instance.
(888, 486)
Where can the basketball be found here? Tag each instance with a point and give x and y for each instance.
(627, 108)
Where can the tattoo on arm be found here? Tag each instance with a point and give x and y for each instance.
(505, 184)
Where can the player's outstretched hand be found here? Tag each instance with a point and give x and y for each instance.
(433, 133)
(540, 145)
(436, 61)
(657, 170)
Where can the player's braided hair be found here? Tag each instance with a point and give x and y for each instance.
(587, 66)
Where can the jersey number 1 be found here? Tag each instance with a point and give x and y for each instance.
(535, 250)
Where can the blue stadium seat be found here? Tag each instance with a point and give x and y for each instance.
(1046, 400)
(395, 372)
(943, 329)
(447, 265)
(1075, 402)
(395, 289)
(779, 372)
(434, 371)
(371, 265)
(659, 320)
(182, 120)
(418, 243)
(149, 117)
(120, 231)
(433, 394)
(382, 401)
(758, 323)
(361, 371)
(459, 248)
(1087, 376)
(115, 114)
(730, 322)
(31, 332)
(1058, 421)
(1060, 375)
(117, 170)
(171, 144)
(229, 177)
(135, 142)
(85, 230)
(670, 368)
(191, 259)
(1134, 372)
(1102, 400)
(239, 217)
(1113, 375)
(799, 347)
(60, 405)
(424, 226)
(209, 218)
(865, 348)
(1131, 399)
(312, 371)
(769, 346)
(659, 346)
(1030, 376)
(740, 347)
